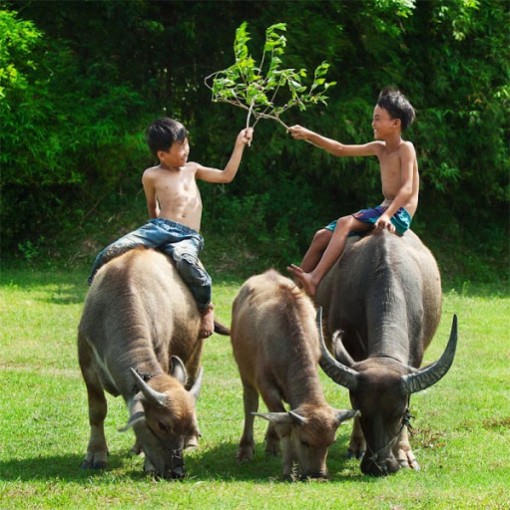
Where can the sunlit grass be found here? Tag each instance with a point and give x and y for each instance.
(461, 425)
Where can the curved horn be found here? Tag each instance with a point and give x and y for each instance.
(427, 376)
(337, 371)
(149, 393)
(347, 414)
(195, 390)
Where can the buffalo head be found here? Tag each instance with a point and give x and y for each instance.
(306, 434)
(380, 388)
(162, 415)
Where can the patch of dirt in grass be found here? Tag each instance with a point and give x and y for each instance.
(497, 423)
(428, 438)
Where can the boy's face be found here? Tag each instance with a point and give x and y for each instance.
(176, 156)
(382, 123)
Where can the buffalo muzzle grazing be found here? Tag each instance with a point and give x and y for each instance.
(275, 342)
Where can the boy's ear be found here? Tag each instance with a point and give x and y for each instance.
(160, 155)
(397, 122)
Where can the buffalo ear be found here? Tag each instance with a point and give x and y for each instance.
(339, 349)
(290, 418)
(137, 415)
(178, 370)
(276, 418)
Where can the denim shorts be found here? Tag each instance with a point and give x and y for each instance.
(181, 243)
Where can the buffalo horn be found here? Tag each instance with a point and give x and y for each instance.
(343, 415)
(337, 371)
(149, 393)
(427, 376)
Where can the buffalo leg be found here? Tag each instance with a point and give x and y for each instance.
(357, 444)
(403, 453)
(251, 405)
(97, 450)
(273, 400)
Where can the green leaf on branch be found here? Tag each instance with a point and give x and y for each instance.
(266, 90)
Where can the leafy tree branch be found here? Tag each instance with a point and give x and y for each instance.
(266, 90)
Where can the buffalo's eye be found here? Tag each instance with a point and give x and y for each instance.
(306, 444)
(163, 427)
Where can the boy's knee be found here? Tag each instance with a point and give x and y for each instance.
(345, 223)
(322, 236)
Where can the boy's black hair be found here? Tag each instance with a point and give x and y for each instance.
(397, 105)
(162, 133)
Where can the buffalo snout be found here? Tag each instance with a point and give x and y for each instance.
(321, 477)
(374, 466)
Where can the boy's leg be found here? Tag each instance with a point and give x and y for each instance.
(194, 275)
(310, 280)
(207, 323)
(314, 253)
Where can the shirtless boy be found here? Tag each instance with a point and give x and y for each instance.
(399, 178)
(175, 206)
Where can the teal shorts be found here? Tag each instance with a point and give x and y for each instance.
(401, 220)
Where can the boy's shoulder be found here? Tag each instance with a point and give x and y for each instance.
(155, 171)
(407, 147)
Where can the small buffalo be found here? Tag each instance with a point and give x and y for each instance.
(275, 342)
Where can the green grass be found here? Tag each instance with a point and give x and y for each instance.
(462, 424)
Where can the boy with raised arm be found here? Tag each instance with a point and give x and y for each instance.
(399, 178)
(175, 209)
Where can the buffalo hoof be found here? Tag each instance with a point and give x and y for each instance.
(93, 465)
(406, 459)
(358, 454)
(136, 450)
(244, 454)
(315, 477)
(273, 446)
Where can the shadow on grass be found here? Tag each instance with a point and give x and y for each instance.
(217, 463)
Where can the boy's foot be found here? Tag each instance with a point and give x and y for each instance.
(207, 324)
(305, 279)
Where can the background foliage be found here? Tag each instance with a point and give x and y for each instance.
(80, 81)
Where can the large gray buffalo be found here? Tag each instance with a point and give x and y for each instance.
(276, 346)
(139, 337)
(382, 301)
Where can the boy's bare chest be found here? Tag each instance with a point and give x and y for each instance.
(175, 185)
(390, 166)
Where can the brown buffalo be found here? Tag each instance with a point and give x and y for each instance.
(139, 337)
(383, 300)
(276, 346)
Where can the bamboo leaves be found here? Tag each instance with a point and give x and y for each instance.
(267, 90)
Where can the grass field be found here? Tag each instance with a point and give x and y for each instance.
(461, 425)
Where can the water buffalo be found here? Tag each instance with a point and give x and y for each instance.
(383, 300)
(139, 337)
(276, 346)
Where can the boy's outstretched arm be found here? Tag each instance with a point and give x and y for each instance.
(332, 146)
(226, 175)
